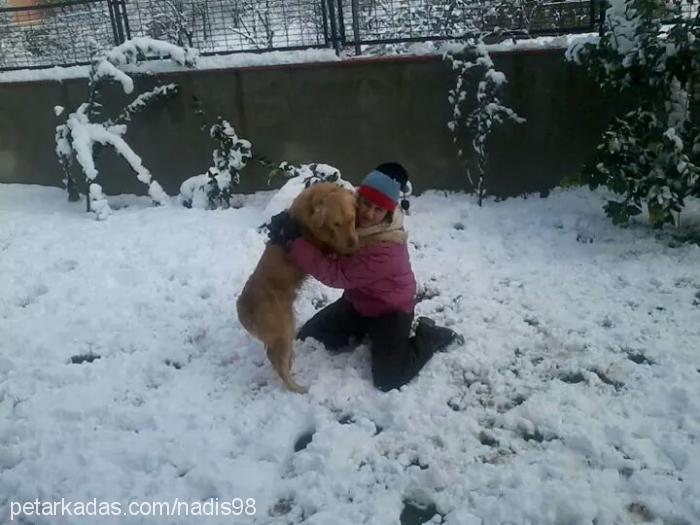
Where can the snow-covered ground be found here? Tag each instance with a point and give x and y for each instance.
(574, 400)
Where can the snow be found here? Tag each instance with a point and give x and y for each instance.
(84, 135)
(273, 58)
(576, 396)
(283, 198)
(231, 154)
(677, 141)
(235, 60)
(496, 77)
(98, 202)
(143, 99)
(507, 46)
(130, 50)
(575, 46)
(194, 191)
(624, 19)
(285, 195)
(237, 156)
(678, 105)
(107, 69)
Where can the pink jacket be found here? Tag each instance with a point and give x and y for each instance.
(377, 280)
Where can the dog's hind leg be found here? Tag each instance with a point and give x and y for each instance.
(281, 353)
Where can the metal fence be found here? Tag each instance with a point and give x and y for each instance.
(222, 26)
(395, 21)
(60, 34)
(68, 32)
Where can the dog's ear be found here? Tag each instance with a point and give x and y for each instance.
(318, 210)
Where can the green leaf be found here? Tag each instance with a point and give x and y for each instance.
(572, 181)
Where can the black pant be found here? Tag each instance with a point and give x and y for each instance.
(396, 358)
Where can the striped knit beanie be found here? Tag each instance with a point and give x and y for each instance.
(383, 185)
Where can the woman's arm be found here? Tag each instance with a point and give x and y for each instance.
(346, 272)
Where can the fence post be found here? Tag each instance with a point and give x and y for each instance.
(113, 21)
(356, 26)
(603, 8)
(334, 25)
(117, 15)
(341, 22)
(324, 18)
(125, 20)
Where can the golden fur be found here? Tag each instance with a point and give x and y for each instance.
(326, 214)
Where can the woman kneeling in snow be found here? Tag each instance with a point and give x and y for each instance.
(380, 288)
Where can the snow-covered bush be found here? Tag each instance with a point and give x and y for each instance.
(312, 173)
(214, 189)
(85, 129)
(301, 176)
(651, 155)
(478, 114)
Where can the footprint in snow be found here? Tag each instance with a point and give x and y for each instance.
(31, 296)
(304, 440)
(65, 265)
(414, 513)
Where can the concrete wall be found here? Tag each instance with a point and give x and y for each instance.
(352, 114)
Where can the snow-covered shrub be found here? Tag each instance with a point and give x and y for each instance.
(478, 114)
(214, 189)
(312, 173)
(85, 128)
(301, 176)
(651, 155)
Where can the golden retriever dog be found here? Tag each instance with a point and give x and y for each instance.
(326, 214)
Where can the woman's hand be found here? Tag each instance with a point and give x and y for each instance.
(283, 229)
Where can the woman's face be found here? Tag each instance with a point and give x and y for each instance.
(368, 213)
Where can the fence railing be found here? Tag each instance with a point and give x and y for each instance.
(68, 32)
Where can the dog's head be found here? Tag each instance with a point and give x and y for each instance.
(327, 212)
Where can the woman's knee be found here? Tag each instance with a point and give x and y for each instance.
(307, 330)
(389, 369)
(386, 380)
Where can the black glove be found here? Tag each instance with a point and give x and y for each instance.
(283, 229)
